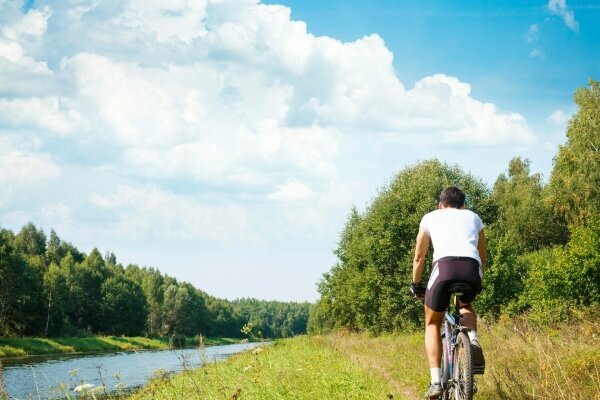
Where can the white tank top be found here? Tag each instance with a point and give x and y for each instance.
(454, 232)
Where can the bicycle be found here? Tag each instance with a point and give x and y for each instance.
(458, 382)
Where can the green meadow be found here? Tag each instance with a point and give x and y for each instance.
(524, 361)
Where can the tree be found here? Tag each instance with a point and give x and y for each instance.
(184, 311)
(123, 306)
(563, 277)
(525, 223)
(367, 289)
(89, 276)
(57, 295)
(31, 241)
(13, 294)
(53, 249)
(574, 185)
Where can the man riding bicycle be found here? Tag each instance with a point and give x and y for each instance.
(458, 256)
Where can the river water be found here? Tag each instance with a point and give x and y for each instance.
(51, 377)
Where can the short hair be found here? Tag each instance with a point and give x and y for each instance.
(452, 197)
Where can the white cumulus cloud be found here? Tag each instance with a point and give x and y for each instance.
(559, 118)
(292, 190)
(226, 96)
(146, 211)
(21, 171)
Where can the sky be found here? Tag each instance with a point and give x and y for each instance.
(225, 141)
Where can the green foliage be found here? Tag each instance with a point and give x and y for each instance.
(563, 278)
(13, 291)
(367, 289)
(183, 311)
(56, 291)
(52, 289)
(524, 223)
(574, 186)
(123, 306)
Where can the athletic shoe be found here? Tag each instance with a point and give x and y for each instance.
(434, 392)
(477, 355)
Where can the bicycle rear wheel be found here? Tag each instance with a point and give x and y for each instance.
(445, 368)
(463, 368)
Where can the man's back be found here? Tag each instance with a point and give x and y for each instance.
(453, 232)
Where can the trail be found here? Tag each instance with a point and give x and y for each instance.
(408, 393)
(376, 357)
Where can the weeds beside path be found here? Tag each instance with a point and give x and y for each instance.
(399, 359)
(523, 361)
(303, 368)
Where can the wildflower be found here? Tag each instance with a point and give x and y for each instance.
(257, 350)
(247, 368)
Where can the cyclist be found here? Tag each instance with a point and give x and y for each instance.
(458, 256)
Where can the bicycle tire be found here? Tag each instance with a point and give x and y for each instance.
(445, 373)
(463, 368)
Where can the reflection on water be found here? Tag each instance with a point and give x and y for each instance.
(52, 376)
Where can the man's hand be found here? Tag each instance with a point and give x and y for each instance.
(417, 290)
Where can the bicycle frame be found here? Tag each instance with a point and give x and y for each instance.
(451, 326)
(451, 329)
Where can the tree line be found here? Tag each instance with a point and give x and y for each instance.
(543, 238)
(50, 288)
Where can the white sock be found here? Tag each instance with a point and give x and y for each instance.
(436, 375)
(473, 335)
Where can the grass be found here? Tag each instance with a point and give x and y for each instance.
(524, 361)
(31, 346)
(527, 361)
(299, 368)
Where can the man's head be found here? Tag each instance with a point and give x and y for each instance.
(452, 197)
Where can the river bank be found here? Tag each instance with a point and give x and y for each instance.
(18, 347)
(524, 361)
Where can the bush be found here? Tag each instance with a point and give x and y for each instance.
(562, 278)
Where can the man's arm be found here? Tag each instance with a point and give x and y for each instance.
(481, 250)
(420, 253)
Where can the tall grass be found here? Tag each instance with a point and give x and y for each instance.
(523, 360)
(526, 361)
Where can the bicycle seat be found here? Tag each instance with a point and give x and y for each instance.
(460, 287)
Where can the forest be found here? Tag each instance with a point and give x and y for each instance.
(50, 288)
(543, 238)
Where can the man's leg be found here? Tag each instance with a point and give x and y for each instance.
(433, 337)
(433, 345)
(469, 318)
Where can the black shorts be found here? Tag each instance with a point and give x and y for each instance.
(449, 270)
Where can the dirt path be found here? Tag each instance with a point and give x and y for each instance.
(374, 355)
(399, 389)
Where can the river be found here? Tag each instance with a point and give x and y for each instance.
(51, 377)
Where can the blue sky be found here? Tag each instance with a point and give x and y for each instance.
(224, 142)
(483, 43)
